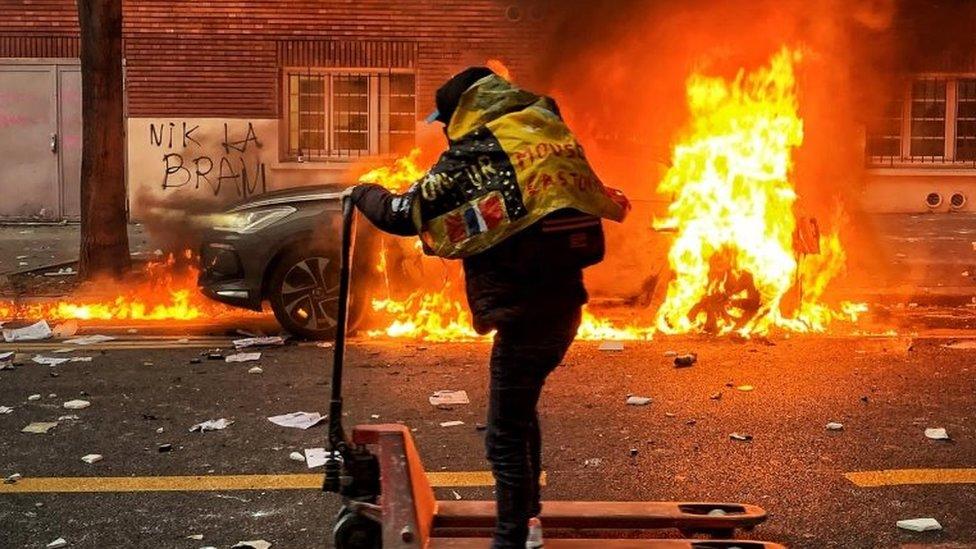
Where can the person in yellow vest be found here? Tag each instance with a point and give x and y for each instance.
(515, 199)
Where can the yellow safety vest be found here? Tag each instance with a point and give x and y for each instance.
(512, 161)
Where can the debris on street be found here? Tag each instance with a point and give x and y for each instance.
(834, 426)
(212, 425)
(34, 397)
(919, 524)
(449, 398)
(296, 456)
(91, 458)
(255, 370)
(253, 544)
(612, 346)
(70, 417)
(298, 420)
(57, 544)
(49, 360)
(258, 342)
(76, 404)
(593, 462)
(242, 357)
(12, 479)
(65, 329)
(39, 427)
(451, 423)
(6, 410)
(34, 332)
(90, 340)
(634, 400)
(745, 388)
(315, 457)
(685, 360)
(64, 271)
(163, 448)
(670, 354)
(937, 433)
(7, 360)
(741, 437)
(716, 396)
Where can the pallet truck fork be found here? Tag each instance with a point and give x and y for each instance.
(388, 502)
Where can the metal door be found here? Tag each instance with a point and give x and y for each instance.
(69, 139)
(29, 164)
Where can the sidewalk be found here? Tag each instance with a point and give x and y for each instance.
(28, 247)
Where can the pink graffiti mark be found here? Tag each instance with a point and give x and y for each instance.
(14, 120)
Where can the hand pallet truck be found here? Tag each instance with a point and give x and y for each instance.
(387, 501)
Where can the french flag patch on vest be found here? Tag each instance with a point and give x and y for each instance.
(475, 218)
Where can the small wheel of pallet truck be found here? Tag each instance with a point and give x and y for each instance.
(354, 531)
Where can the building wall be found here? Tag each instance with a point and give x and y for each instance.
(213, 63)
(905, 190)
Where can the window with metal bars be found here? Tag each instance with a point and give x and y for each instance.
(928, 118)
(334, 115)
(966, 119)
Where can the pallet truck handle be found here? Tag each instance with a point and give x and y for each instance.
(337, 436)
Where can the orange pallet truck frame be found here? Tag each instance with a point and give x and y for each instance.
(387, 501)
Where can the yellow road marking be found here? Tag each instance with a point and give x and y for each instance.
(898, 477)
(216, 483)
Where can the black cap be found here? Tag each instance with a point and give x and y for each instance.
(449, 95)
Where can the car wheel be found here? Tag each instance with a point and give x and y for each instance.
(304, 293)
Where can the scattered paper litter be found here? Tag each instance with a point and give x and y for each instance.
(919, 524)
(252, 544)
(9, 355)
(449, 398)
(197, 537)
(39, 427)
(38, 330)
(65, 329)
(634, 400)
(88, 340)
(324, 344)
(242, 357)
(67, 271)
(91, 458)
(212, 425)
(834, 426)
(12, 479)
(741, 437)
(451, 423)
(745, 388)
(58, 543)
(612, 346)
(937, 433)
(258, 341)
(255, 370)
(315, 457)
(70, 417)
(5, 410)
(296, 456)
(34, 397)
(49, 360)
(76, 404)
(297, 420)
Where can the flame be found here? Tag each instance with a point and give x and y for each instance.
(733, 258)
(167, 290)
(498, 67)
(398, 177)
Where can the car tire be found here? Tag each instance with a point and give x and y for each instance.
(304, 294)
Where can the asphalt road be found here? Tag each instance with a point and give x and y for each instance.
(884, 391)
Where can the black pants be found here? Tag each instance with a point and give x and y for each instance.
(524, 353)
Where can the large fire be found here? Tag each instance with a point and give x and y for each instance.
(733, 258)
(166, 290)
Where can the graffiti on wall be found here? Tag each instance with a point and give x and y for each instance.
(193, 158)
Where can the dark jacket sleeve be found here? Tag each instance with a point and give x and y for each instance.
(389, 212)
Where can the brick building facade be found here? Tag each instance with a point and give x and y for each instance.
(229, 98)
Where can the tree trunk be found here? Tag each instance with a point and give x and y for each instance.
(104, 237)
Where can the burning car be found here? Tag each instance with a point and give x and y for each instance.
(282, 247)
